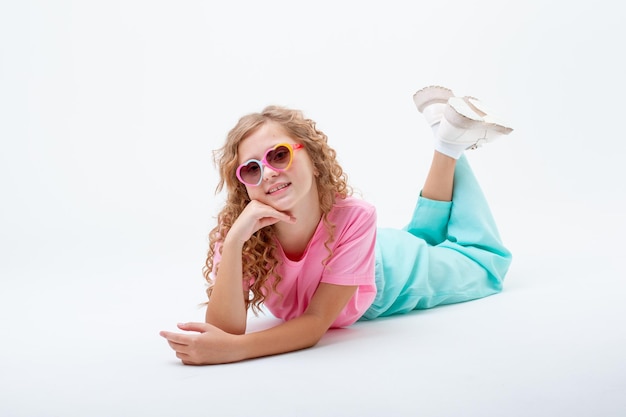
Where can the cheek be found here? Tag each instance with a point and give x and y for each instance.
(251, 191)
(255, 193)
(310, 167)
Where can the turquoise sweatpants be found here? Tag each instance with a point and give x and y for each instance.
(449, 252)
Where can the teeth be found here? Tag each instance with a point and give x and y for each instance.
(280, 187)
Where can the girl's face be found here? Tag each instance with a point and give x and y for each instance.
(287, 190)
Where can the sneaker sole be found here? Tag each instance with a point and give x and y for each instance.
(469, 113)
(430, 95)
(487, 115)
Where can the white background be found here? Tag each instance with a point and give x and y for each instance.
(109, 111)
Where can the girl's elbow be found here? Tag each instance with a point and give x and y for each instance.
(236, 326)
(237, 331)
(314, 340)
(231, 328)
(316, 335)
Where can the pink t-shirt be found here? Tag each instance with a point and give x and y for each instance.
(352, 263)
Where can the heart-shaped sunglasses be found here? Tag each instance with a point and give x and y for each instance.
(278, 158)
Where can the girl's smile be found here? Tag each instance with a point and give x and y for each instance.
(278, 188)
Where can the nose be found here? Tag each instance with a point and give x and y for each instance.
(268, 172)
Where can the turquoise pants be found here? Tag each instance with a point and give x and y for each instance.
(449, 252)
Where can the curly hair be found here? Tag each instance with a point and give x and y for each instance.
(259, 261)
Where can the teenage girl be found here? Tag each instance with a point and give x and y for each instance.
(292, 238)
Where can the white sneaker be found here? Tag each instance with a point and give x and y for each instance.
(431, 102)
(466, 120)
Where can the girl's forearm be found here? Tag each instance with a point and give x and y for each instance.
(300, 333)
(226, 308)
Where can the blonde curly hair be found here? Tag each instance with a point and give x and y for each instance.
(259, 261)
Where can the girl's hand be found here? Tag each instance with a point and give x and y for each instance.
(210, 346)
(256, 216)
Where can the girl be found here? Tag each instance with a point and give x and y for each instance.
(292, 238)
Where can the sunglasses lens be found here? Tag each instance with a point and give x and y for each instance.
(250, 172)
(279, 158)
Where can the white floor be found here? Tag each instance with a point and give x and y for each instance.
(552, 343)
(109, 112)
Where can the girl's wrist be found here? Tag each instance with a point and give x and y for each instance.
(232, 242)
(240, 350)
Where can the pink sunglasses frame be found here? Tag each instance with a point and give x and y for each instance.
(263, 162)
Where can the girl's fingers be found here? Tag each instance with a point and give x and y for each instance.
(178, 347)
(256, 216)
(183, 357)
(178, 338)
(263, 210)
(267, 221)
(278, 216)
(194, 327)
(289, 219)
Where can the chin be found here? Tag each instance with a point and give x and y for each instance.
(281, 207)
